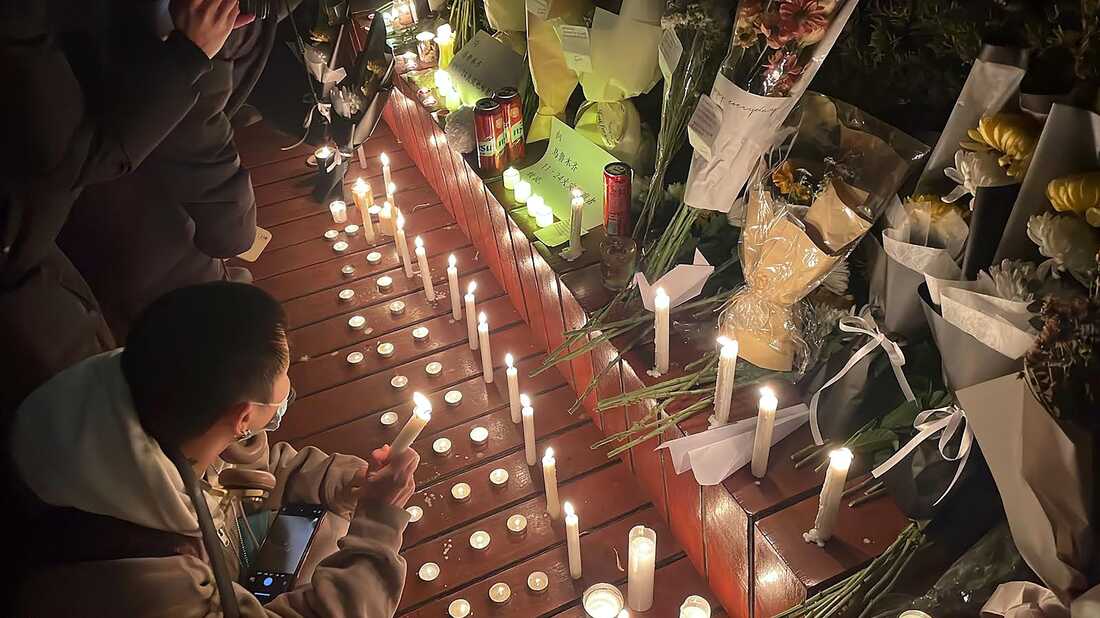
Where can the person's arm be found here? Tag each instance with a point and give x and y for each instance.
(312, 476)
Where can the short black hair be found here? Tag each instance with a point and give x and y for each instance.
(200, 349)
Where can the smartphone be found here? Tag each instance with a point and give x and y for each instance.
(283, 550)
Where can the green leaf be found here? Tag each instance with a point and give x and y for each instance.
(874, 440)
(902, 416)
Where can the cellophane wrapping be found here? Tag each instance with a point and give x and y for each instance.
(814, 196)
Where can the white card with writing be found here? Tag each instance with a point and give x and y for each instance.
(570, 161)
(668, 52)
(483, 66)
(704, 125)
(258, 245)
(577, 48)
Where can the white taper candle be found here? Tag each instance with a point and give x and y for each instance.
(576, 214)
(452, 286)
(363, 196)
(513, 389)
(660, 322)
(723, 387)
(642, 547)
(385, 159)
(573, 540)
(486, 352)
(471, 317)
(425, 271)
(550, 479)
(402, 244)
(385, 218)
(528, 414)
(422, 413)
(765, 424)
(828, 506)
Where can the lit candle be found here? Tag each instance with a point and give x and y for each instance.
(765, 423)
(576, 214)
(573, 541)
(536, 206)
(324, 156)
(443, 81)
(445, 38)
(391, 193)
(339, 211)
(402, 244)
(695, 607)
(386, 178)
(832, 490)
(723, 387)
(363, 197)
(513, 389)
(522, 191)
(603, 601)
(471, 319)
(660, 340)
(528, 414)
(385, 218)
(425, 272)
(550, 479)
(639, 574)
(486, 354)
(452, 284)
(511, 177)
(422, 413)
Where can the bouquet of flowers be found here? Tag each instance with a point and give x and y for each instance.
(775, 50)
(816, 195)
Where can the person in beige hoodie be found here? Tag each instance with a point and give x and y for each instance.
(204, 375)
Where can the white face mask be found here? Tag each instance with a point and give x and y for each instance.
(275, 420)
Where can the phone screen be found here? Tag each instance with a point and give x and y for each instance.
(286, 543)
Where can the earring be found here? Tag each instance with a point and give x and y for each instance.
(244, 435)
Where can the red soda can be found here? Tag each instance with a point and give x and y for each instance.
(489, 132)
(617, 178)
(512, 104)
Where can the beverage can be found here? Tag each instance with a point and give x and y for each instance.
(617, 179)
(512, 105)
(489, 131)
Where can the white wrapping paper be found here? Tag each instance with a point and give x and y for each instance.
(998, 323)
(632, 34)
(715, 454)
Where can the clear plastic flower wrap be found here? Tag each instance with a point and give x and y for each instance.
(812, 198)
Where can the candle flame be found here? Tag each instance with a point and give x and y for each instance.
(419, 243)
(400, 220)
(470, 289)
(423, 405)
(508, 360)
(443, 31)
(840, 459)
(323, 152)
(525, 401)
(384, 158)
(661, 293)
(452, 261)
(360, 186)
(624, 614)
(567, 507)
(481, 319)
(549, 456)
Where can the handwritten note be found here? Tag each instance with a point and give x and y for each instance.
(483, 66)
(669, 52)
(704, 125)
(570, 161)
(576, 48)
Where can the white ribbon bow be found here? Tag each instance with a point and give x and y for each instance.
(953, 418)
(863, 323)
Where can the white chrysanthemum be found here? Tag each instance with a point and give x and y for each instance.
(1068, 241)
(1012, 279)
(837, 279)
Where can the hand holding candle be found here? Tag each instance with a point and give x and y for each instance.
(513, 389)
(661, 327)
(471, 317)
(425, 272)
(723, 387)
(642, 550)
(452, 286)
(402, 244)
(550, 479)
(828, 506)
(422, 413)
(765, 424)
(528, 414)
(573, 540)
(486, 353)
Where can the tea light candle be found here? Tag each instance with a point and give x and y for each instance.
(480, 539)
(324, 156)
(444, 37)
(402, 244)
(351, 229)
(517, 524)
(573, 541)
(498, 477)
(340, 246)
(385, 218)
(331, 234)
(695, 607)
(602, 601)
(639, 573)
(459, 608)
(374, 257)
(723, 386)
(415, 513)
(433, 368)
(385, 349)
(422, 413)
(914, 613)
(660, 341)
(528, 414)
(460, 492)
(550, 480)
(452, 286)
(386, 177)
(355, 358)
(538, 581)
(486, 353)
(479, 436)
(544, 217)
(428, 571)
(420, 333)
(397, 307)
(576, 215)
(346, 294)
(399, 382)
(388, 418)
(513, 389)
(511, 177)
(339, 210)
(453, 398)
(356, 321)
(765, 424)
(471, 317)
(385, 283)
(347, 270)
(425, 272)
(828, 506)
(522, 191)
(441, 446)
(499, 593)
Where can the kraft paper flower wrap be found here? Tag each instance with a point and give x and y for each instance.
(815, 196)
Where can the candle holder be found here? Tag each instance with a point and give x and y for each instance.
(500, 593)
(442, 446)
(331, 167)
(415, 513)
(459, 608)
(480, 539)
(460, 492)
(538, 582)
(356, 322)
(453, 398)
(433, 368)
(498, 477)
(602, 601)
(428, 571)
(479, 436)
(642, 547)
(695, 607)
(388, 418)
(517, 524)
